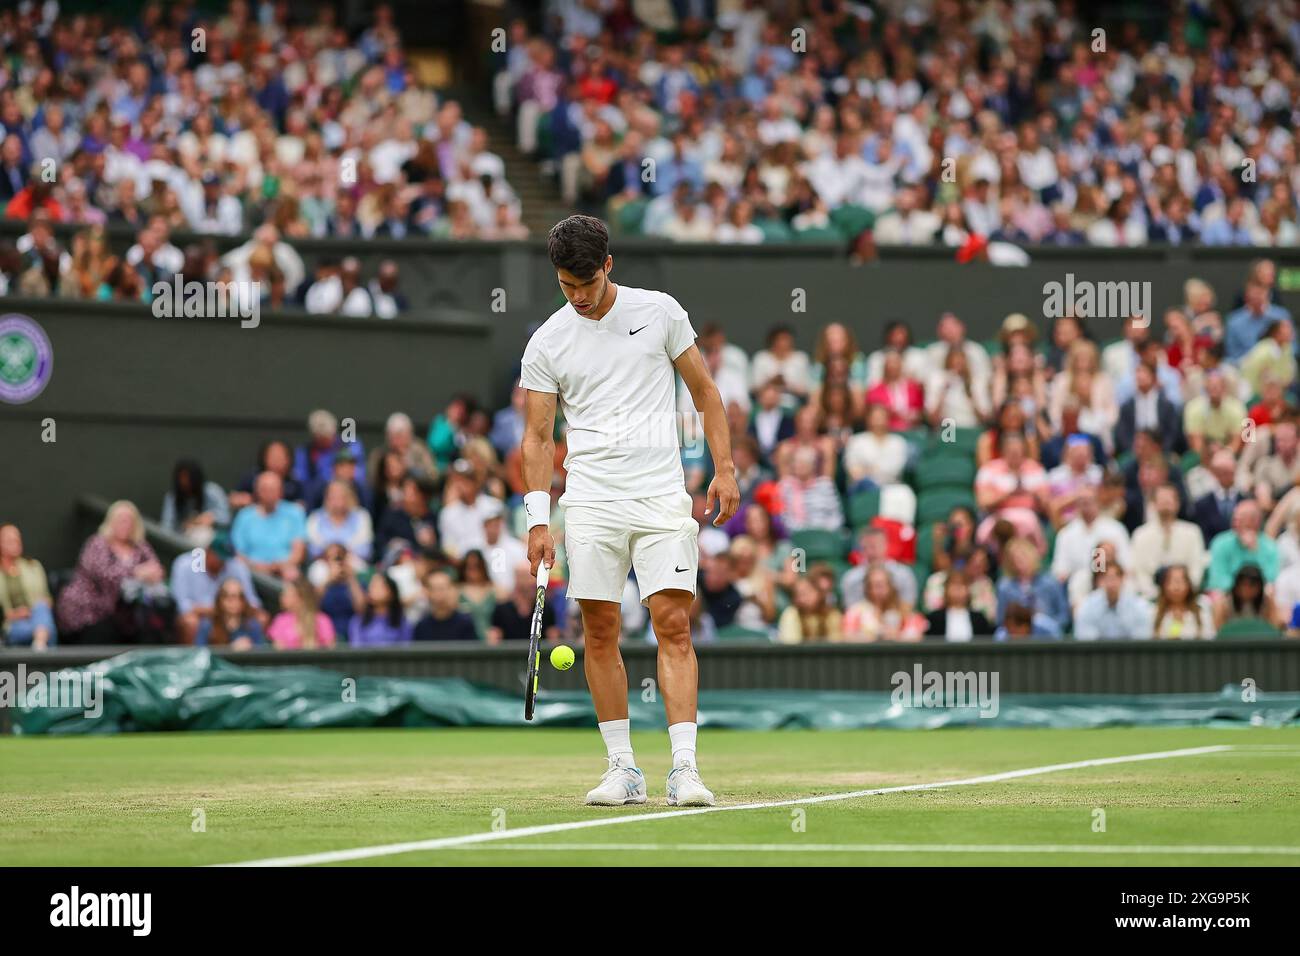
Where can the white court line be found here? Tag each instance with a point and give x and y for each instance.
(1166, 850)
(441, 843)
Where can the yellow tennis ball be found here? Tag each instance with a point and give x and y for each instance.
(562, 657)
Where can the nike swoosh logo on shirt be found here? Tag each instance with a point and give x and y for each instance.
(635, 331)
(679, 570)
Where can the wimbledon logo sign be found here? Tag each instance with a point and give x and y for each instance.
(26, 359)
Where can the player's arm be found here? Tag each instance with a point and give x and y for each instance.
(704, 393)
(538, 453)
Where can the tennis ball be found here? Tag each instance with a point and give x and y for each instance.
(562, 657)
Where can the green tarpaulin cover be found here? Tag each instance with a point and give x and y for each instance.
(190, 689)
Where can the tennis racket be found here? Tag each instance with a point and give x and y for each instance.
(534, 643)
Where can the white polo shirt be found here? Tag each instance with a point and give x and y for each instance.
(616, 385)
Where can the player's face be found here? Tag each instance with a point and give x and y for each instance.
(585, 294)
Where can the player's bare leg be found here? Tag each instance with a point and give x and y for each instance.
(622, 783)
(670, 614)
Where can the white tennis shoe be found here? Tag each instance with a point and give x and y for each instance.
(686, 789)
(621, 784)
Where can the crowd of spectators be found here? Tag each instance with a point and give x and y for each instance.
(225, 125)
(1145, 486)
(980, 126)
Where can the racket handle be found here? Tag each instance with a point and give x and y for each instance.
(543, 574)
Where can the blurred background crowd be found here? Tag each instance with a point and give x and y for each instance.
(1132, 480)
(1071, 486)
(917, 123)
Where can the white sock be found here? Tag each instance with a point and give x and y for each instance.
(618, 740)
(682, 738)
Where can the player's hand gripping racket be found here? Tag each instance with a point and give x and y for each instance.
(535, 642)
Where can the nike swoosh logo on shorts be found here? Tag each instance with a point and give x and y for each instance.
(679, 570)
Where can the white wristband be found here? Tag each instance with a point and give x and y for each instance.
(537, 507)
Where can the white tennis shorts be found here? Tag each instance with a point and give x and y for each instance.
(657, 536)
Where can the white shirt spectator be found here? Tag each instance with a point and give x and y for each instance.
(1077, 543)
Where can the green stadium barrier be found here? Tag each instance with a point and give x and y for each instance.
(192, 689)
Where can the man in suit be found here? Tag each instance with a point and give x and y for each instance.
(1148, 409)
(1213, 512)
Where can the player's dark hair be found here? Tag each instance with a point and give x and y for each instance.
(579, 244)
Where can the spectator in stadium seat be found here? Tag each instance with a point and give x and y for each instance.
(300, 624)
(445, 622)
(953, 395)
(479, 595)
(195, 580)
(382, 621)
(951, 334)
(807, 435)
(956, 621)
(873, 551)
(904, 397)
(13, 173)
(1273, 405)
(781, 358)
(1271, 358)
(876, 457)
(897, 337)
(1240, 545)
(1111, 612)
(906, 224)
(1164, 540)
(1011, 418)
(343, 468)
(501, 549)
(413, 520)
(26, 608)
(464, 509)
(771, 423)
(399, 438)
(881, 615)
(267, 237)
(448, 430)
(271, 533)
(86, 608)
(837, 341)
(1214, 513)
(1066, 331)
(1181, 613)
(809, 618)
(194, 507)
(1069, 481)
(1148, 408)
(1246, 599)
(274, 456)
(339, 594)
(508, 423)
(717, 596)
(1012, 488)
(1021, 623)
(809, 499)
(233, 623)
(1250, 323)
(1214, 419)
(314, 459)
(340, 520)
(1083, 380)
(1023, 583)
(1270, 466)
(1076, 545)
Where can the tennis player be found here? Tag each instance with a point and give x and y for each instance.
(608, 358)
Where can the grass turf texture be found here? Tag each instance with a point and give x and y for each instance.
(130, 799)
